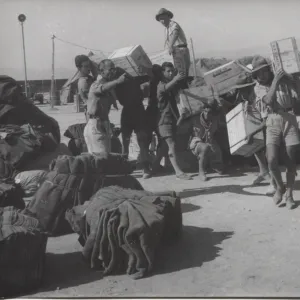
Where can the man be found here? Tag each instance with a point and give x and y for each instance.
(133, 116)
(167, 91)
(97, 132)
(175, 41)
(84, 82)
(277, 94)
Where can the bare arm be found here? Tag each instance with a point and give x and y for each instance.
(83, 89)
(270, 97)
(106, 86)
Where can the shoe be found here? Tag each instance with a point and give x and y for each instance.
(277, 198)
(271, 190)
(183, 176)
(260, 178)
(290, 203)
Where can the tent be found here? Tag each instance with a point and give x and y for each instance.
(68, 90)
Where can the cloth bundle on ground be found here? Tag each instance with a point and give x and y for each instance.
(121, 228)
(11, 194)
(16, 109)
(77, 143)
(30, 181)
(20, 145)
(22, 252)
(73, 180)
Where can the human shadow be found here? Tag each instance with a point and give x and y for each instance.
(195, 246)
(66, 270)
(234, 188)
(189, 207)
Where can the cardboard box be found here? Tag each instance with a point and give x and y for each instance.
(161, 57)
(133, 60)
(285, 55)
(224, 77)
(194, 98)
(176, 59)
(239, 125)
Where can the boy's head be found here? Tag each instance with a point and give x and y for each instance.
(83, 64)
(107, 69)
(209, 109)
(168, 71)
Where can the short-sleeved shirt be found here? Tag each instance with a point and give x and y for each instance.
(285, 98)
(99, 101)
(204, 131)
(84, 83)
(167, 105)
(170, 31)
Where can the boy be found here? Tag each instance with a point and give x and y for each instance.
(167, 91)
(203, 143)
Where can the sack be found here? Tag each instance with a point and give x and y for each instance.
(11, 194)
(22, 253)
(30, 181)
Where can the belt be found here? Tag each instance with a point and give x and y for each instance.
(181, 46)
(94, 117)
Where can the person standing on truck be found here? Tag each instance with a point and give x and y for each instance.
(175, 41)
(278, 95)
(97, 132)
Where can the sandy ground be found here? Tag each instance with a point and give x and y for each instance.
(235, 242)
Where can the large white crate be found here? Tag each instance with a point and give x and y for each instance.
(241, 123)
(285, 55)
(133, 60)
(224, 77)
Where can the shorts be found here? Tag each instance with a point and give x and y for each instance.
(214, 151)
(167, 131)
(282, 127)
(133, 121)
(97, 136)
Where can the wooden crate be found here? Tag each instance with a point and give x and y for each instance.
(133, 60)
(194, 98)
(240, 124)
(224, 77)
(285, 55)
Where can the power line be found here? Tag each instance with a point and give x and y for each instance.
(98, 50)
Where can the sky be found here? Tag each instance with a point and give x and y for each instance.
(217, 27)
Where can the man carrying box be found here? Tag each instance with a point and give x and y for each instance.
(277, 94)
(175, 40)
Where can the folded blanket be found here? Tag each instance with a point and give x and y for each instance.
(121, 226)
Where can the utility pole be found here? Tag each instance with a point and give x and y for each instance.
(53, 90)
(22, 19)
(194, 61)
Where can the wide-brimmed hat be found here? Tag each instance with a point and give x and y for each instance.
(163, 11)
(243, 81)
(258, 63)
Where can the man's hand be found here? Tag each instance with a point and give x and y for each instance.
(279, 75)
(122, 78)
(171, 50)
(249, 139)
(179, 76)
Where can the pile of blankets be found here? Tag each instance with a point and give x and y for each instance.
(73, 180)
(121, 229)
(22, 252)
(77, 143)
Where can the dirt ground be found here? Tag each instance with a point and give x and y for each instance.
(235, 242)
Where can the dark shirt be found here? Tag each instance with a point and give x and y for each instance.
(167, 105)
(129, 93)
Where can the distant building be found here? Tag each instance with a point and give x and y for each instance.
(41, 86)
